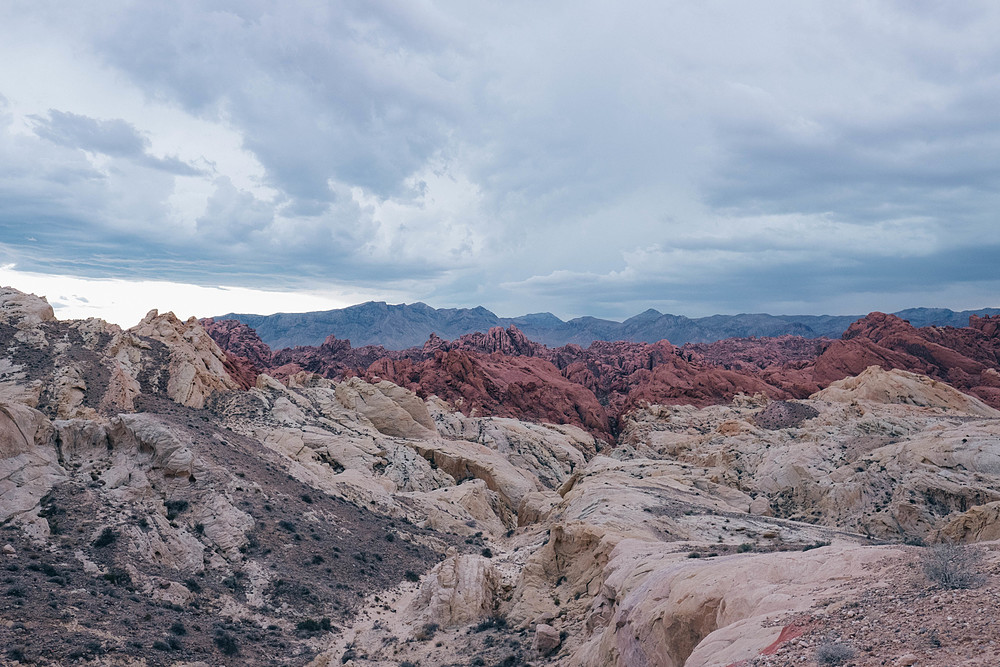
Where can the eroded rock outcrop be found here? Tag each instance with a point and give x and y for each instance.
(197, 367)
(461, 589)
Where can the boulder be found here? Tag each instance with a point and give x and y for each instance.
(29, 465)
(24, 310)
(546, 640)
(459, 590)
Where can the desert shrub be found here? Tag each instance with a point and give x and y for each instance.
(175, 507)
(490, 623)
(487, 552)
(192, 585)
(287, 525)
(833, 653)
(952, 566)
(410, 575)
(314, 625)
(744, 548)
(16, 592)
(106, 538)
(178, 628)
(426, 632)
(118, 577)
(815, 545)
(226, 643)
(306, 498)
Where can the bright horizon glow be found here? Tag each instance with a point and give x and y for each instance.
(125, 302)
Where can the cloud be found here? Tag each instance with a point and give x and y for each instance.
(115, 138)
(591, 158)
(125, 302)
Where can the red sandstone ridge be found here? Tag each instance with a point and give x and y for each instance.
(752, 355)
(967, 358)
(246, 354)
(334, 358)
(496, 384)
(502, 372)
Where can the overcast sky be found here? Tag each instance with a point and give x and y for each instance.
(576, 157)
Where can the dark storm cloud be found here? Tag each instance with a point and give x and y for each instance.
(580, 158)
(347, 91)
(112, 137)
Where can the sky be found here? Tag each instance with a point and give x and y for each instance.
(580, 158)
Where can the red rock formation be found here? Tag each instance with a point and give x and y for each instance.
(751, 355)
(497, 384)
(246, 354)
(966, 358)
(502, 372)
(334, 358)
(239, 340)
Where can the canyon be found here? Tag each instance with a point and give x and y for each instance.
(179, 493)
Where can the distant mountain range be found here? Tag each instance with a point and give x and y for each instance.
(398, 327)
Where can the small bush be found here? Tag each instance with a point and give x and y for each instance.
(175, 507)
(491, 623)
(487, 552)
(410, 575)
(952, 566)
(226, 643)
(833, 653)
(106, 538)
(118, 577)
(306, 498)
(426, 632)
(313, 625)
(178, 628)
(744, 548)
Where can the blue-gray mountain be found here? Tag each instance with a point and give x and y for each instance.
(397, 327)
